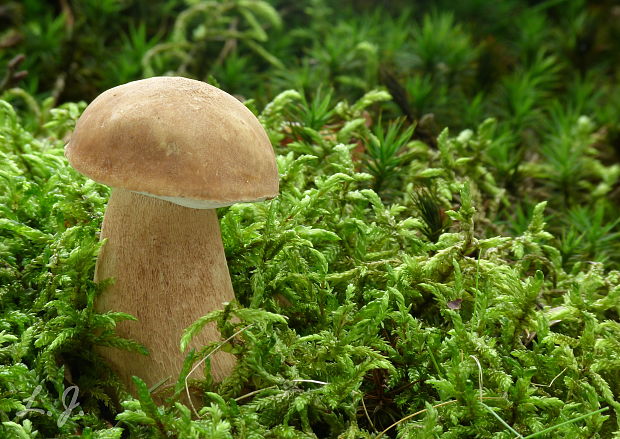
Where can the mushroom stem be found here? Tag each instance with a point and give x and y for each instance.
(169, 267)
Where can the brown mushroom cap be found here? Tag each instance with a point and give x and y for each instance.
(178, 139)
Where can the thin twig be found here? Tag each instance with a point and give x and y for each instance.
(406, 418)
(499, 418)
(309, 381)
(247, 395)
(479, 375)
(413, 415)
(570, 421)
(367, 415)
(12, 76)
(552, 381)
(205, 359)
(229, 45)
(69, 17)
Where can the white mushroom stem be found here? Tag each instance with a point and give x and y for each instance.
(169, 268)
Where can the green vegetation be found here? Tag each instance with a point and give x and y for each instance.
(443, 259)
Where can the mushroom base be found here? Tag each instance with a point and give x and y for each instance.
(169, 268)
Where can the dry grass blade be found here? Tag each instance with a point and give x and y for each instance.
(189, 397)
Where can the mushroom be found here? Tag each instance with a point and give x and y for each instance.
(172, 149)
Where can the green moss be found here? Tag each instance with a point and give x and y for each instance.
(349, 317)
(414, 279)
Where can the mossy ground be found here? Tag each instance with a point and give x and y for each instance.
(410, 279)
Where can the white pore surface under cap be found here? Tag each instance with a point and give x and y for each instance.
(198, 204)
